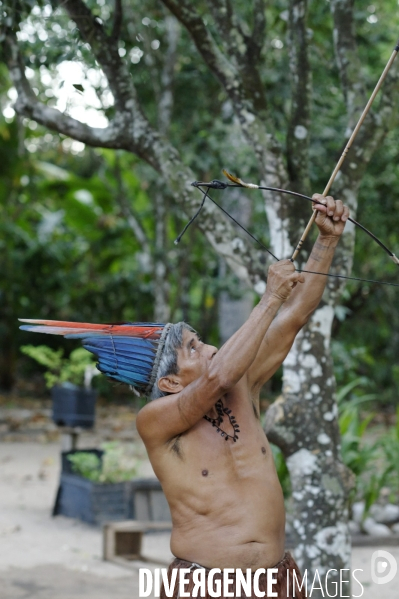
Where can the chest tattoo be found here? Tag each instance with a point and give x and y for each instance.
(216, 422)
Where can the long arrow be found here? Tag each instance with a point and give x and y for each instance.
(346, 150)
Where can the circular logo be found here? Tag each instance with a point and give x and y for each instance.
(383, 566)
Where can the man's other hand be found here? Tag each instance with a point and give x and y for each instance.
(282, 279)
(331, 215)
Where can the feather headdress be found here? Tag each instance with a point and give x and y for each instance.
(128, 352)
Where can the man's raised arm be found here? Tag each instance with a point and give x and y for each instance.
(190, 400)
(296, 311)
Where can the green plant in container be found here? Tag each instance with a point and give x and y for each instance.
(116, 465)
(78, 369)
(70, 382)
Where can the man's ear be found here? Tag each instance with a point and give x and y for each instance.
(169, 384)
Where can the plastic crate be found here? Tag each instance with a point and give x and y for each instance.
(94, 503)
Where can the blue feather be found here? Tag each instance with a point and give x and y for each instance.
(123, 363)
(111, 351)
(131, 377)
(124, 345)
(118, 365)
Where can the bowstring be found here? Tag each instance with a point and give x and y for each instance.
(324, 274)
(190, 222)
(237, 223)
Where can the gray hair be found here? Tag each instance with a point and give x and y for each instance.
(168, 361)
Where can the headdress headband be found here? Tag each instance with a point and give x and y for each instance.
(127, 352)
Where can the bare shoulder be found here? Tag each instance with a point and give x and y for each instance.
(164, 418)
(141, 419)
(147, 417)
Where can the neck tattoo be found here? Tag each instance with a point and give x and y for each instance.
(221, 410)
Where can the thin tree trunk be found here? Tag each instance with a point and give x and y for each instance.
(162, 311)
(161, 282)
(233, 311)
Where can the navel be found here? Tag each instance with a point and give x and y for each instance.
(205, 473)
(263, 450)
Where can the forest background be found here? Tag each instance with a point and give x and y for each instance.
(87, 225)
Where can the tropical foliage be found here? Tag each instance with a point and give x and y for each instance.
(61, 370)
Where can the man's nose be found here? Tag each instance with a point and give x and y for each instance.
(211, 350)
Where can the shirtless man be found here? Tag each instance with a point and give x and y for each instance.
(224, 495)
(202, 431)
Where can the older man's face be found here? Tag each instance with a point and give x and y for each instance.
(193, 358)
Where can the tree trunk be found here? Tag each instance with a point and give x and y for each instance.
(162, 312)
(303, 423)
(233, 311)
(161, 283)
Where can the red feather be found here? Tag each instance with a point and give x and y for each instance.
(60, 327)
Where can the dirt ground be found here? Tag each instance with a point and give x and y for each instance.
(42, 557)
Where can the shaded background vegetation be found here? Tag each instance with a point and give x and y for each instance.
(68, 250)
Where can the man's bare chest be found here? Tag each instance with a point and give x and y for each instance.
(233, 445)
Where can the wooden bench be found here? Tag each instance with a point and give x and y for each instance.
(122, 541)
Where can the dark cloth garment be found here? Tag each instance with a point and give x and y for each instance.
(280, 587)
